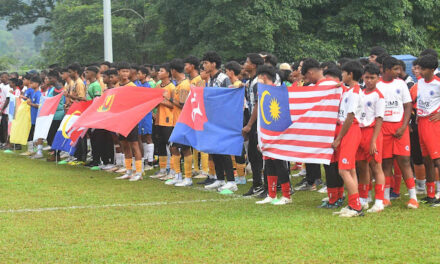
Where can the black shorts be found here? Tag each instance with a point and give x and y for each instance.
(275, 167)
(181, 146)
(133, 136)
(163, 134)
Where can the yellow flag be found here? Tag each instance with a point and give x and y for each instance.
(21, 126)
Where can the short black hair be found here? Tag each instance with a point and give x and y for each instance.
(334, 71)
(416, 62)
(233, 66)
(177, 65)
(27, 76)
(134, 66)
(63, 70)
(213, 56)
(429, 52)
(14, 80)
(36, 79)
(255, 59)
(3, 73)
(309, 64)
(167, 67)
(268, 70)
(144, 70)
(377, 50)
(271, 59)
(76, 67)
(402, 64)
(381, 57)
(354, 67)
(364, 61)
(106, 63)
(295, 66)
(123, 66)
(193, 60)
(372, 68)
(344, 60)
(327, 64)
(93, 69)
(389, 62)
(54, 73)
(111, 72)
(428, 62)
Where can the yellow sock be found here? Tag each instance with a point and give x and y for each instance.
(205, 161)
(211, 167)
(128, 164)
(138, 164)
(234, 163)
(196, 160)
(188, 165)
(240, 169)
(176, 163)
(163, 162)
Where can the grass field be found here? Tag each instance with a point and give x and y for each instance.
(89, 217)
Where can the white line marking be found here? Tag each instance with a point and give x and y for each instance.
(34, 210)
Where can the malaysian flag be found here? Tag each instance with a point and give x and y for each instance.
(298, 123)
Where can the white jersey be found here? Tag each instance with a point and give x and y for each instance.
(373, 106)
(428, 96)
(396, 94)
(350, 103)
(5, 91)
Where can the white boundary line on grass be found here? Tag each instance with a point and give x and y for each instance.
(47, 209)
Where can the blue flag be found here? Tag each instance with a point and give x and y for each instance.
(211, 121)
(273, 106)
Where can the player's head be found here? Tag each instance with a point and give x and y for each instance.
(431, 52)
(375, 52)
(232, 68)
(416, 68)
(91, 72)
(74, 70)
(124, 71)
(253, 60)
(35, 82)
(352, 71)
(177, 66)
(333, 72)
(211, 61)
(428, 64)
(391, 67)
(164, 72)
(371, 75)
(266, 74)
(311, 71)
(191, 63)
(53, 76)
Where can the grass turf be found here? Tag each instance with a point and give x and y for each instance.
(222, 229)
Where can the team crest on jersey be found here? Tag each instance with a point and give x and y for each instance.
(431, 93)
(108, 102)
(345, 161)
(369, 103)
(346, 100)
(398, 91)
(407, 148)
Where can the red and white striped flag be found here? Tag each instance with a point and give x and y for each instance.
(313, 112)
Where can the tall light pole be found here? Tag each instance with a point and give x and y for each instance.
(108, 45)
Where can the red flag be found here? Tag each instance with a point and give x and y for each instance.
(120, 109)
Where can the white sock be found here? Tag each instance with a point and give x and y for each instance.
(212, 177)
(123, 159)
(420, 184)
(437, 186)
(145, 147)
(412, 193)
(363, 200)
(168, 157)
(221, 181)
(379, 202)
(30, 146)
(386, 194)
(150, 156)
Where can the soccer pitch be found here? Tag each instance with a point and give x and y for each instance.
(64, 214)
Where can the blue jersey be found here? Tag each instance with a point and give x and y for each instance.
(34, 110)
(29, 93)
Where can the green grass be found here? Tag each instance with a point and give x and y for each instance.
(231, 231)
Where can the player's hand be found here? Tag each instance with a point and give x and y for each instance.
(399, 132)
(373, 148)
(336, 143)
(435, 117)
(245, 131)
(259, 149)
(29, 102)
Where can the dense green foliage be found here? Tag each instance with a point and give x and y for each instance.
(157, 30)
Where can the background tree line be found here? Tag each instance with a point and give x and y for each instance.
(154, 31)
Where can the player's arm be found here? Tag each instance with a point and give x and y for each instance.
(251, 121)
(167, 100)
(29, 102)
(345, 127)
(376, 131)
(407, 109)
(5, 105)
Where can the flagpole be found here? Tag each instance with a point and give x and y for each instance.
(108, 45)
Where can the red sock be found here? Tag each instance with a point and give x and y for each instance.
(333, 195)
(272, 186)
(410, 183)
(341, 192)
(430, 189)
(391, 181)
(285, 189)
(363, 190)
(353, 201)
(397, 183)
(388, 181)
(379, 190)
